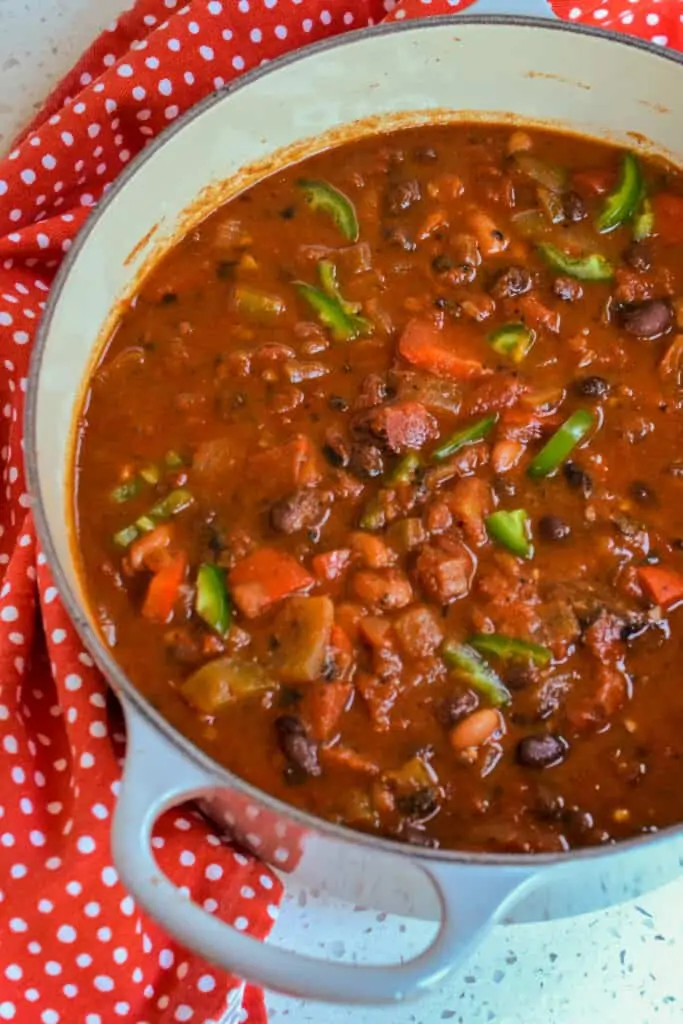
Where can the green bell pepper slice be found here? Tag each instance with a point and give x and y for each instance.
(472, 669)
(327, 272)
(507, 648)
(513, 340)
(212, 601)
(321, 196)
(405, 471)
(343, 326)
(125, 491)
(468, 435)
(593, 267)
(622, 202)
(562, 443)
(263, 307)
(643, 220)
(511, 530)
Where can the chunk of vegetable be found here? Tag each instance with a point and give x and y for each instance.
(643, 220)
(477, 729)
(223, 680)
(265, 577)
(546, 174)
(514, 340)
(508, 648)
(412, 776)
(664, 586)
(472, 669)
(125, 491)
(405, 471)
(301, 634)
(212, 602)
(592, 267)
(164, 589)
(424, 345)
(320, 195)
(623, 200)
(468, 435)
(327, 271)
(264, 307)
(323, 705)
(343, 326)
(511, 529)
(330, 565)
(562, 443)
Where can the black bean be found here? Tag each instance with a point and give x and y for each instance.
(296, 745)
(549, 805)
(441, 264)
(452, 709)
(399, 238)
(338, 403)
(553, 528)
(288, 213)
(521, 674)
(425, 155)
(649, 319)
(574, 207)
(336, 449)
(578, 479)
(642, 493)
(592, 387)
(418, 806)
(638, 255)
(401, 195)
(568, 289)
(541, 751)
(511, 282)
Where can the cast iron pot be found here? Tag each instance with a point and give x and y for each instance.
(480, 66)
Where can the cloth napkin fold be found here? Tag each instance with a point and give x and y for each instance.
(74, 947)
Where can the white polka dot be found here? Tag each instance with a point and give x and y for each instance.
(34, 948)
(109, 876)
(32, 995)
(193, 27)
(206, 983)
(7, 839)
(9, 613)
(187, 858)
(213, 872)
(3, 187)
(53, 968)
(210, 906)
(92, 909)
(124, 71)
(104, 934)
(5, 319)
(86, 760)
(103, 983)
(94, 130)
(84, 959)
(10, 744)
(49, 1017)
(53, 863)
(67, 138)
(28, 176)
(214, 7)
(20, 337)
(17, 924)
(25, 805)
(183, 1012)
(174, 45)
(66, 933)
(238, 63)
(281, 31)
(127, 906)
(165, 87)
(37, 838)
(48, 162)
(241, 923)
(98, 730)
(166, 959)
(85, 844)
(45, 906)
(122, 1009)
(7, 1011)
(247, 892)
(99, 811)
(152, 63)
(58, 636)
(206, 52)
(14, 972)
(70, 991)
(18, 871)
(273, 911)
(120, 955)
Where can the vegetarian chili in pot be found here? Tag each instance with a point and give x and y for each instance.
(379, 482)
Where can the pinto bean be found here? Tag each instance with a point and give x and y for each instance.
(477, 729)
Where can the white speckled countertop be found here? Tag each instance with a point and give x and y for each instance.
(621, 966)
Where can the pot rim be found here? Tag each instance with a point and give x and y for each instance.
(114, 674)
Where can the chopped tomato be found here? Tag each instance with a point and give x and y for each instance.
(287, 466)
(383, 590)
(264, 577)
(425, 345)
(330, 565)
(343, 757)
(664, 586)
(164, 589)
(537, 314)
(594, 182)
(323, 706)
(668, 210)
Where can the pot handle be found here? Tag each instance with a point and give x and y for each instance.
(508, 8)
(158, 776)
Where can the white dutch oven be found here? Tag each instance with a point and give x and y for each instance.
(484, 68)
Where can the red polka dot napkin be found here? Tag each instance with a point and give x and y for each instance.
(74, 947)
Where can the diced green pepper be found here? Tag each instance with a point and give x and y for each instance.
(563, 441)
(174, 502)
(593, 267)
(373, 516)
(125, 537)
(513, 340)
(258, 305)
(405, 471)
(320, 195)
(151, 474)
(174, 459)
(468, 435)
(343, 326)
(472, 668)
(508, 648)
(511, 529)
(327, 272)
(643, 220)
(622, 202)
(144, 524)
(212, 602)
(125, 491)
